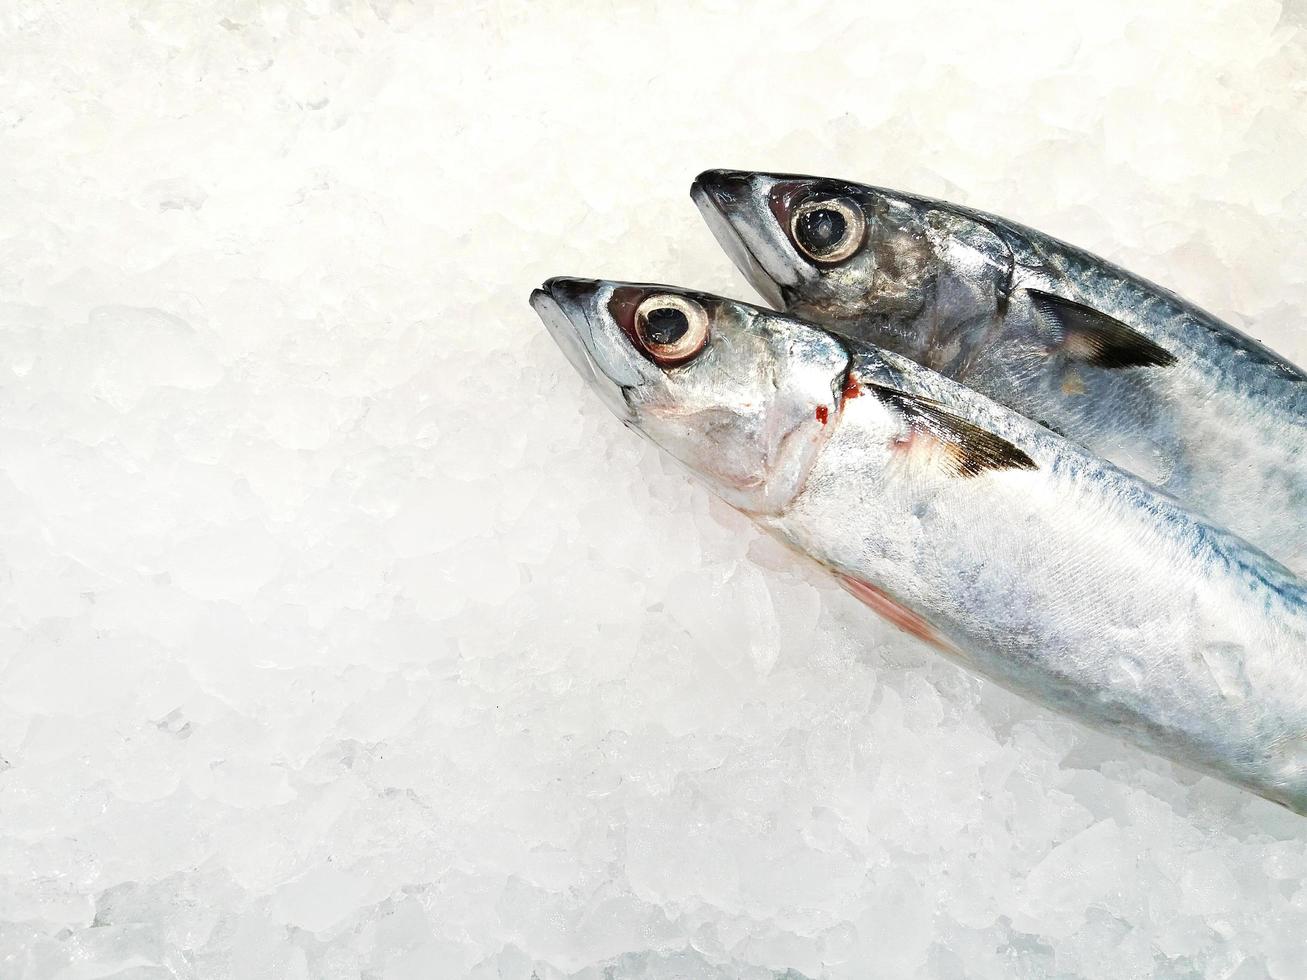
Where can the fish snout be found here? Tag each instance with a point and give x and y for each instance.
(583, 329)
(572, 293)
(734, 206)
(562, 304)
(728, 190)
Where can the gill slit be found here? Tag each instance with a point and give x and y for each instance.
(839, 385)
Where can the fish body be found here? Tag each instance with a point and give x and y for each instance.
(1012, 550)
(1099, 355)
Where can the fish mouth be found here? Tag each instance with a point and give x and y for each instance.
(565, 305)
(724, 198)
(560, 327)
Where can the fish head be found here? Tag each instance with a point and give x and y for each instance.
(740, 395)
(823, 249)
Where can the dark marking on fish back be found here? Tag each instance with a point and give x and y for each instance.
(969, 449)
(1086, 335)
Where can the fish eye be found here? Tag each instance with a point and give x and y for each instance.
(672, 329)
(829, 229)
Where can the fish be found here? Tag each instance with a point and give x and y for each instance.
(1019, 554)
(1097, 354)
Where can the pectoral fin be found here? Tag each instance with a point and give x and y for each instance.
(1086, 335)
(962, 448)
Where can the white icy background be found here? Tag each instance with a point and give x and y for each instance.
(345, 635)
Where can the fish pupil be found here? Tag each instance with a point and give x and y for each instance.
(821, 229)
(665, 325)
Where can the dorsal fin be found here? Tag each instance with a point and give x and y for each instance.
(1084, 334)
(968, 450)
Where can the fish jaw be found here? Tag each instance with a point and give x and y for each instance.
(565, 306)
(729, 201)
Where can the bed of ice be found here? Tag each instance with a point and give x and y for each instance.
(344, 634)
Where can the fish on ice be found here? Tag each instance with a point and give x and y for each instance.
(1126, 368)
(1010, 549)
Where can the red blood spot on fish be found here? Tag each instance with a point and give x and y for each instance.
(852, 387)
(893, 611)
(823, 414)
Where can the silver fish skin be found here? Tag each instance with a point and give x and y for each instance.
(1012, 550)
(1099, 355)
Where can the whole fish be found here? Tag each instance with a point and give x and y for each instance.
(1128, 369)
(1011, 549)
